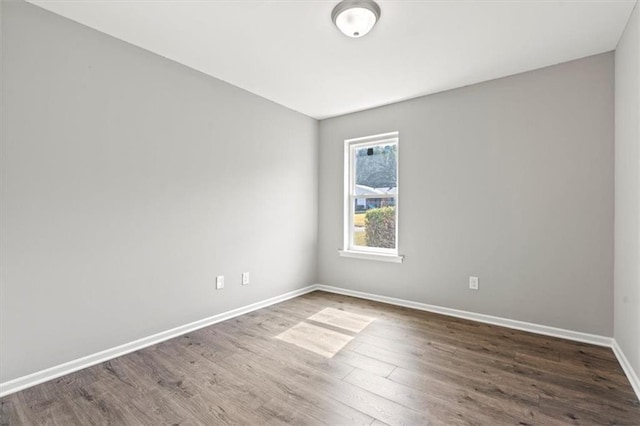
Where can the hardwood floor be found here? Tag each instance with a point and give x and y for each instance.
(403, 367)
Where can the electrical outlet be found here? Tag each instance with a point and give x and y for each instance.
(219, 282)
(473, 283)
(245, 278)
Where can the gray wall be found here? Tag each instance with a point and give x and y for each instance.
(510, 180)
(128, 183)
(627, 193)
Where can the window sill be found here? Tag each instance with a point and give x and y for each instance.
(394, 258)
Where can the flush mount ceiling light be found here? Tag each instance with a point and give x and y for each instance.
(355, 18)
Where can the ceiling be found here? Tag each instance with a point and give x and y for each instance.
(289, 51)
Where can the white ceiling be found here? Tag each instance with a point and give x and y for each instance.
(289, 51)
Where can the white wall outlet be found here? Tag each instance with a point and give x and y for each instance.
(219, 282)
(473, 283)
(245, 278)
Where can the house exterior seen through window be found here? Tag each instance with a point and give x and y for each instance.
(371, 189)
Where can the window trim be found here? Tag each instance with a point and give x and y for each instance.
(372, 256)
(350, 250)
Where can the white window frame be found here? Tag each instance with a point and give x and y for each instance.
(350, 250)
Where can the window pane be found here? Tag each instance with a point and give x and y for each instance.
(374, 223)
(376, 169)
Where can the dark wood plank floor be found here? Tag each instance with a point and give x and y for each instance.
(406, 367)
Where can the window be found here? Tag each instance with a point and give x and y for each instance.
(371, 198)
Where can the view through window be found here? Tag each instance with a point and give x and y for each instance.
(373, 194)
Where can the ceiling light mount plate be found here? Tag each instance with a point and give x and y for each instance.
(355, 18)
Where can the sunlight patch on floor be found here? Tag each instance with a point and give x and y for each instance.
(326, 341)
(347, 320)
(316, 339)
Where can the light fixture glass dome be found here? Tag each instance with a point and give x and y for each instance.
(355, 18)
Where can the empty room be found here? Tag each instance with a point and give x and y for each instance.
(320, 212)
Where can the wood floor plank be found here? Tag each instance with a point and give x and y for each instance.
(472, 396)
(281, 371)
(269, 347)
(296, 385)
(379, 407)
(437, 410)
(399, 367)
(372, 365)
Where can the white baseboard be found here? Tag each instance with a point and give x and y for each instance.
(577, 336)
(24, 382)
(38, 377)
(626, 366)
